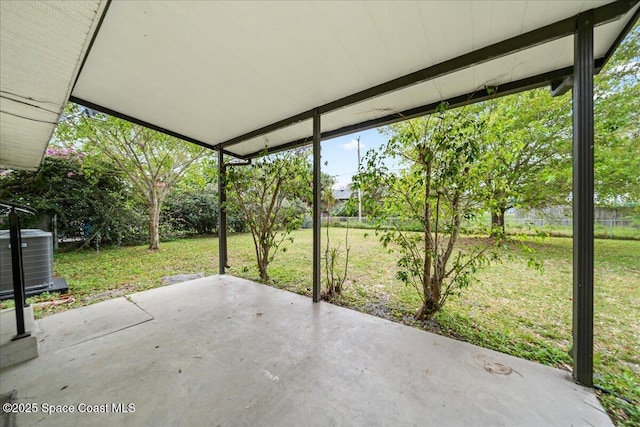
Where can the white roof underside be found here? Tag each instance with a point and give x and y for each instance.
(214, 71)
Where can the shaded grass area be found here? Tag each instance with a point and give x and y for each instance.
(511, 308)
(95, 276)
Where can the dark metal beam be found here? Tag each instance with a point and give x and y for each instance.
(306, 115)
(119, 115)
(317, 220)
(457, 101)
(548, 33)
(621, 36)
(533, 38)
(114, 113)
(583, 130)
(307, 140)
(560, 87)
(93, 39)
(222, 214)
(235, 156)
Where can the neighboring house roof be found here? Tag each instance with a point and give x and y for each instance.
(342, 194)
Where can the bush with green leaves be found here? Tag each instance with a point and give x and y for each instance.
(269, 194)
(192, 210)
(348, 208)
(90, 205)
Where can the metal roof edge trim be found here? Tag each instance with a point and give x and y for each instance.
(139, 122)
(93, 39)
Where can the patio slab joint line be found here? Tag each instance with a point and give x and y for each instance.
(151, 317)
(128, 298)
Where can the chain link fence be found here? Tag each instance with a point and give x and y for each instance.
(603, 228)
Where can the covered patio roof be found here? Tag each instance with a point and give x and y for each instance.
(242, 77)
(248, 76)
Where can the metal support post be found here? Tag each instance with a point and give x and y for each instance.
(583, 201)
(18, 274)
(316, 206)
(222, 214)
(359, 191)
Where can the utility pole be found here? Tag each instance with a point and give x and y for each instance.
(359, 192)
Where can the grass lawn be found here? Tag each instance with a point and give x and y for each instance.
(513, 309)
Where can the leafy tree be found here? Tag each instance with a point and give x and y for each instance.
(348, 208)
(435, 189)
(525, 156)
(326, 196)
(90, 204)
(201, 173)
(192, 206)
(617, 126)
(152, 161)
(269, 194)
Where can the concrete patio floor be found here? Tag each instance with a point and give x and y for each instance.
(223, 351)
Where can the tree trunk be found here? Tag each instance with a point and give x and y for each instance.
(428, 309)
(154, 223)
(497, 222)
(427, 289)
(262, 266)
(263, 262)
